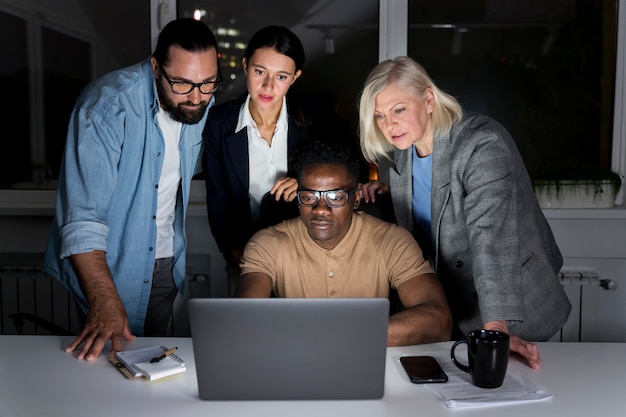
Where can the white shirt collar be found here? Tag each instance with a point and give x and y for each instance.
(245, 118)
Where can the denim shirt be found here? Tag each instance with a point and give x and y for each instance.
(108, 184)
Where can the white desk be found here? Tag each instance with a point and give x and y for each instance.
(37, 378)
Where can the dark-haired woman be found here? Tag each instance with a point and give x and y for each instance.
(249, 144)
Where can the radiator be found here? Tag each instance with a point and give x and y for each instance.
(577, 281)
(583, 277)
(32, 302)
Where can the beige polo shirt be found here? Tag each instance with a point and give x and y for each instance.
(372, 256)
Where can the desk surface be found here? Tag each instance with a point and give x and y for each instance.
(38, 378)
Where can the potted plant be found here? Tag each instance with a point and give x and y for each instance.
(576, 187)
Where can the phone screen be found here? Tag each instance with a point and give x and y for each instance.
(423, 369)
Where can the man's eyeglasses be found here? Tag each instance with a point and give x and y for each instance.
(332, 198)
(183, 87)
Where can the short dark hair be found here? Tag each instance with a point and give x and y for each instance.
(328, 150)
(190, 34)
(279, 38)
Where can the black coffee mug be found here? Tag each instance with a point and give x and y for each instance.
(488, 357)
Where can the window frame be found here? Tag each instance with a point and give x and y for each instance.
(393, 33)
(618, 151)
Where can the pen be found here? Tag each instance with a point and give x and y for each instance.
(163, 355)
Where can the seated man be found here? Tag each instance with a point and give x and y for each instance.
(330, 250)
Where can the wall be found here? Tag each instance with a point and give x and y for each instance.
(595, 239)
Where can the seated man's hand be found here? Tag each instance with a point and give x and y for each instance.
(106, 320)
(285, 188)
(370, 189)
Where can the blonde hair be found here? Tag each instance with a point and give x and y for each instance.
(409, 74)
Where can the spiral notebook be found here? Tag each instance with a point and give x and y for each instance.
(136, 363)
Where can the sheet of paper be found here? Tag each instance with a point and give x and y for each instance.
(459, 392)
(161, 369)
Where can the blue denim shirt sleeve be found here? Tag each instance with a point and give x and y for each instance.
(89, 179)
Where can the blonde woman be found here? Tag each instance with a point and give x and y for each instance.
(458, 182)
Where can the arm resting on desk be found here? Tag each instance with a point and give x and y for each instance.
(426, 317)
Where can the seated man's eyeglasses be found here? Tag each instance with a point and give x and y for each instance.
(332, 198)
(184, 87)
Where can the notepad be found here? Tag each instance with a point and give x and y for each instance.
(137, 363)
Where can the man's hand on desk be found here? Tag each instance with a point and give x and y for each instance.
(527, 350)
(106, 320)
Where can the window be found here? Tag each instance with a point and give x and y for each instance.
(340, 39)
(552, 71)
(14, 79)
(42, 72)
(544, 68)
(66, 71)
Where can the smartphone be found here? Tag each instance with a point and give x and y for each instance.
(423, 369)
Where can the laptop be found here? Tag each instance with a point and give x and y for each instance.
(289, 348)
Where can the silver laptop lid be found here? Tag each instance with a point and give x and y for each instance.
(287, 349)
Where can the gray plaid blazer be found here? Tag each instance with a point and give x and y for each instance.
(492, 248)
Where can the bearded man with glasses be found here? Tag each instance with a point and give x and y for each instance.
(134, 143)
(332, 251)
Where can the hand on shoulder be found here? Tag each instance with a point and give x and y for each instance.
(369, 190)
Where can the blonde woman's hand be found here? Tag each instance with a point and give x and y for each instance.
(369, 190)
(527, 350)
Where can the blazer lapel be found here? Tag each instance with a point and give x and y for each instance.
(400, 182)
(294, 135)
(236, 152)
(440, 192)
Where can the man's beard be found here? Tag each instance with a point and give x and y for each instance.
(176, 112)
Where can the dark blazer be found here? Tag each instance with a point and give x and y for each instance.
(493, 249)
(227, 177)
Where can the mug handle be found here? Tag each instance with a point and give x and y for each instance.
(458, 364)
